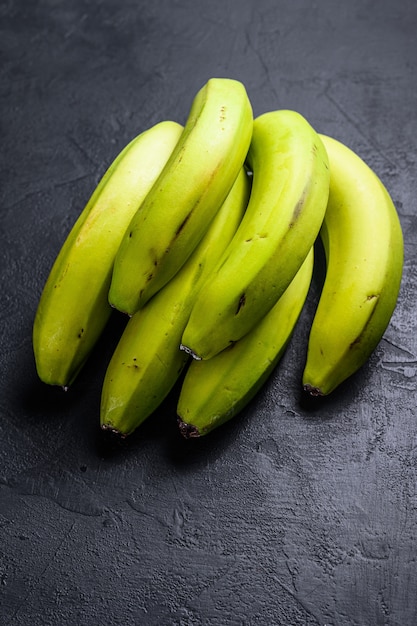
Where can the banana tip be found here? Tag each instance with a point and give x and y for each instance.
(188, 431)
(315, 392)
(112, 432)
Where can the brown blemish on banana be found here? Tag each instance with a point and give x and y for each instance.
(256, 237)
(359, 338)
(241, 303)
(133, 365)
(183, 223)
(299, 207)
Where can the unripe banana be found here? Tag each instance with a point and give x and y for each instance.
(185, 198)
(216, 390)
(147, 361)
(73, 308)
(363, 243)
(283, 219)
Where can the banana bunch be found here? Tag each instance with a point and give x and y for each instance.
(204, 236)
(147, 361)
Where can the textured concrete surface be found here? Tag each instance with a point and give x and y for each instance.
(290, 514)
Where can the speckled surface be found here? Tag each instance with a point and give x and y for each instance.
(289, 514)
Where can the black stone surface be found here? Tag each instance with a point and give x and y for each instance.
(289, 514)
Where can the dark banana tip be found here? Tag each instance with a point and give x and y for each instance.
(110, 439)
(311, 398)
(188, 431)
(112, 433)
(315, 392)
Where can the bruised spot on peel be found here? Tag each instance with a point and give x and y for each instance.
(131, 365)
(298, 209)
(361, 336)
(241, 303)
(257, 237)
(183, 223)
(356, 341)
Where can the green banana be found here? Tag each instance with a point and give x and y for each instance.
(216, 390)
(147, 361)
(73, 308)
(186, 196)
(283, 218)
(364, 248)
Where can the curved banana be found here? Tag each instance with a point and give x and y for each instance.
(73, 307)
(283, 218)
(216, 390)
(147, 361)
(363, 243)
(185, 198)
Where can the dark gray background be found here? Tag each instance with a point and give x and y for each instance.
(290, 514)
